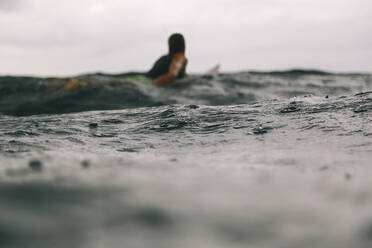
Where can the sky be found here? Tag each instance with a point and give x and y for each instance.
(53, 37)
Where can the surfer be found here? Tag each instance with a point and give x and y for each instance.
(165, 70)
(171, 66)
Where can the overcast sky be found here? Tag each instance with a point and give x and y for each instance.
(54, 37)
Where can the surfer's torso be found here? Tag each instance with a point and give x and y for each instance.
(162, 65)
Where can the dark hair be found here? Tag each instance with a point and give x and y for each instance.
(176, 43)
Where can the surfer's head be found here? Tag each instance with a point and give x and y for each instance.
(176, 43)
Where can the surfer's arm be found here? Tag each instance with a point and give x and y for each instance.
(165, 79)
(178, 64)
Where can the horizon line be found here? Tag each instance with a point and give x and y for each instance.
(293, 70)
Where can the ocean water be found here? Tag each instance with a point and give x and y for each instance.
(249, 159)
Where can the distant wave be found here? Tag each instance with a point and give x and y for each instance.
(296, 72)
(21, 96)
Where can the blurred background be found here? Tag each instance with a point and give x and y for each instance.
(50, 37)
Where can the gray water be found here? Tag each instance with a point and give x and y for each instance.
(238, 160)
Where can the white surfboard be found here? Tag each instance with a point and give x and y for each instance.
(214, 71)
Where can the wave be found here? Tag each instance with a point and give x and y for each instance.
(22, 96)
